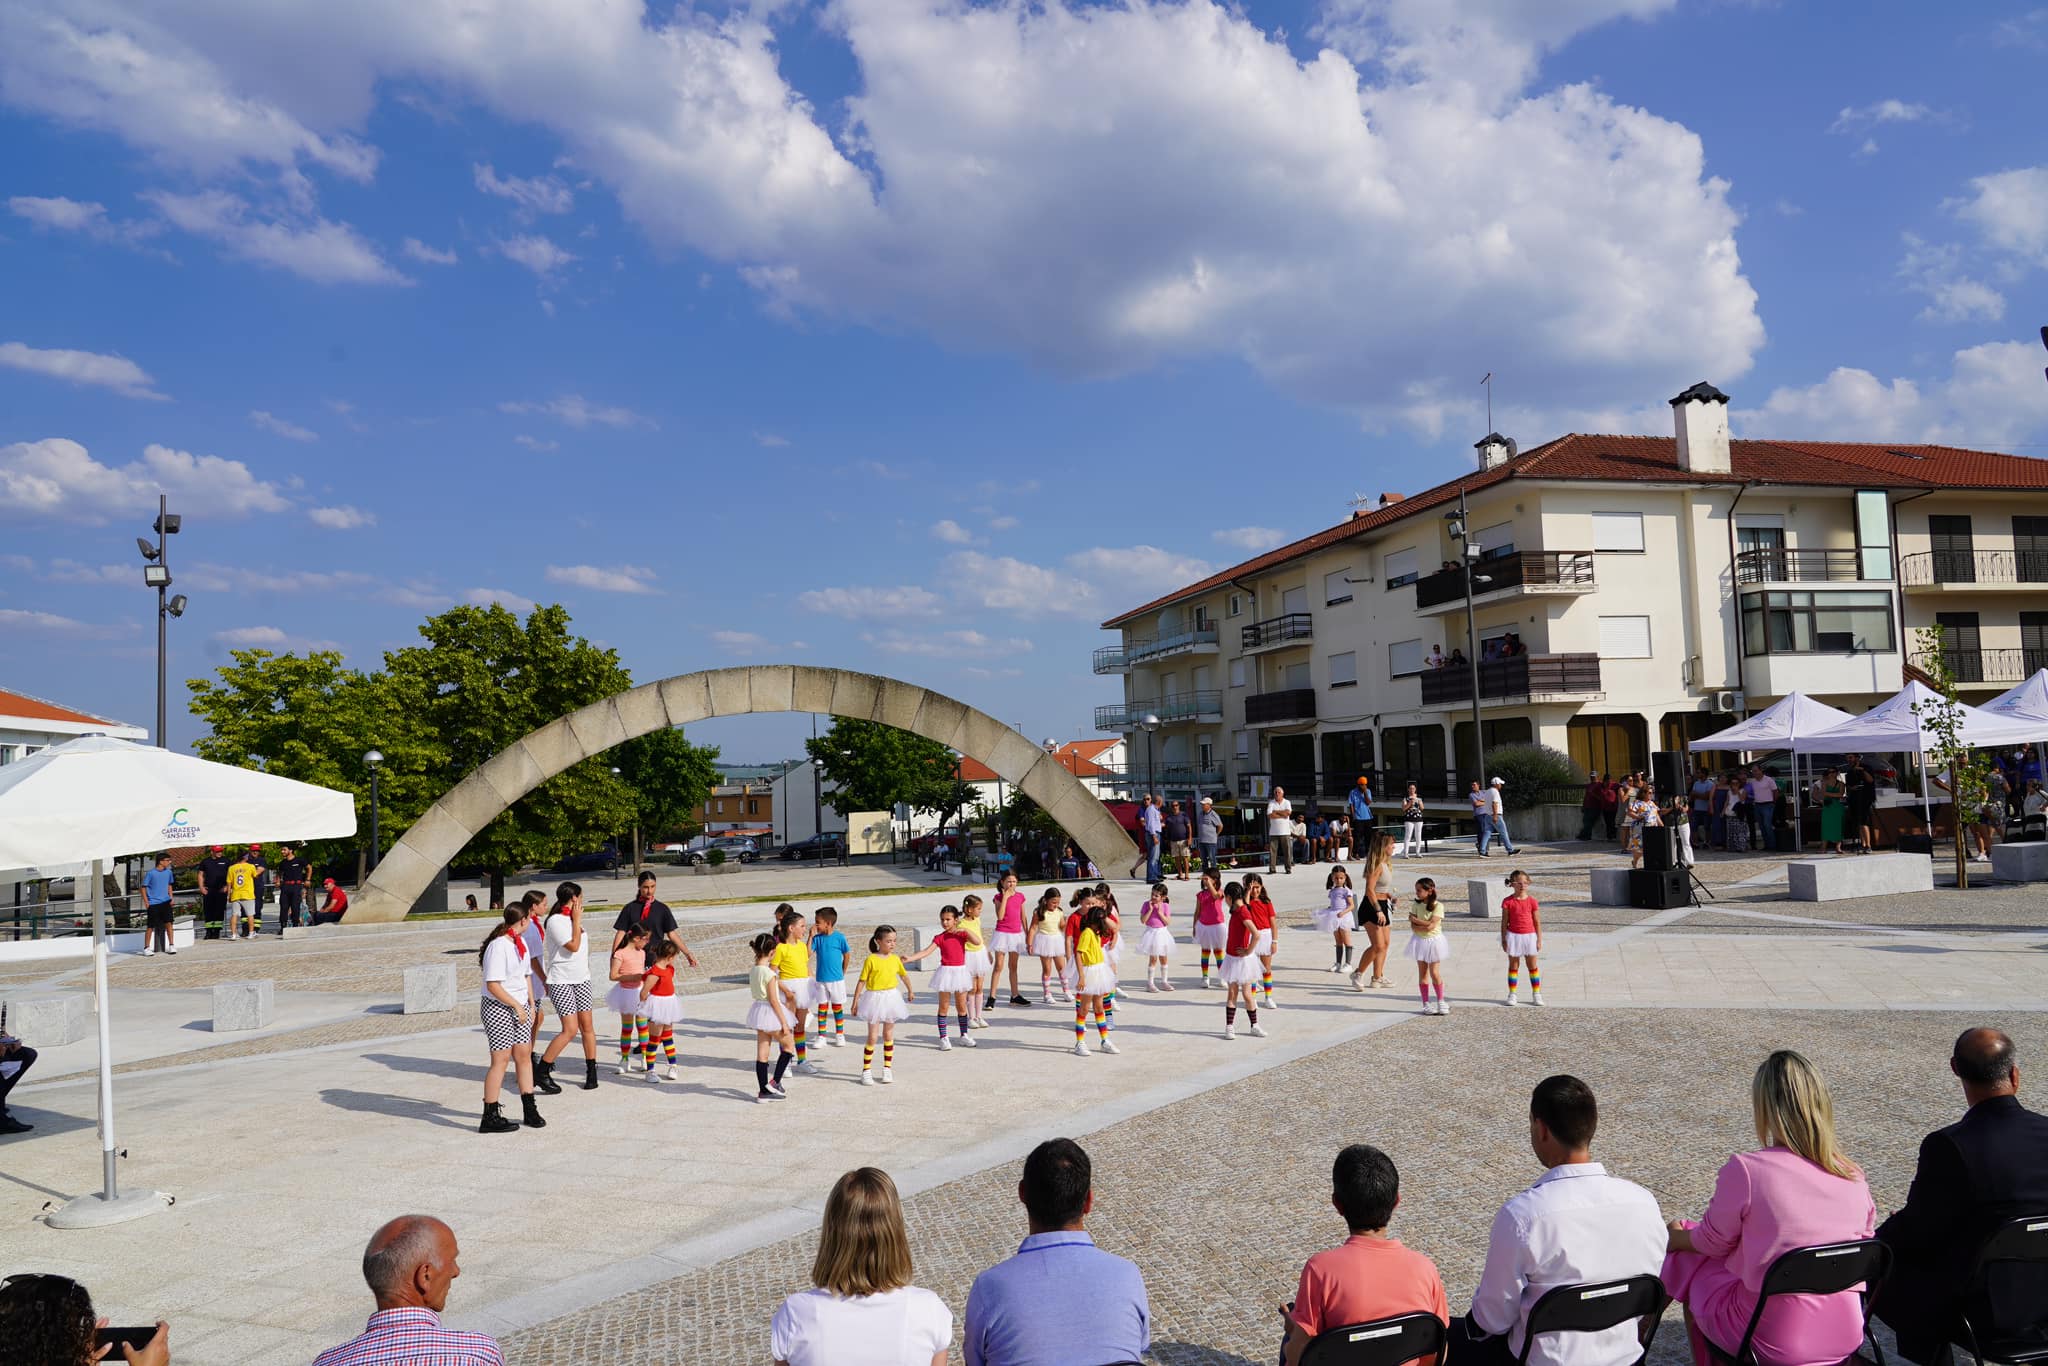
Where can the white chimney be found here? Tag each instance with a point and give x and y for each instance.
(1494, 450)
(1700, 416)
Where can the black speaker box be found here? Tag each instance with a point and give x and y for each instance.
(1659, 849)
(1915, 844)
(1667, 771)
(1650, 890)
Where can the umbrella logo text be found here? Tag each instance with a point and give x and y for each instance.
(178, 827)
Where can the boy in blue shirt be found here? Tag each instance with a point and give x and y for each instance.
(830, 948)
(156, 900)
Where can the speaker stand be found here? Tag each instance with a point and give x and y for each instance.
(1699, 888)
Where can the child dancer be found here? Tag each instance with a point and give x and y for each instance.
(1427, 945)
(1048, 942)
(1336, 918)
(768, 1019)
(954, 980)
(1376, 913)
(791, 960)
(881, 997)
(629, 963)
(1521, 935)
(1157, 941)
(828, 950)
(1097, 980)
(978, 961)
(1260, 906)
(661, 1007)
(1240, 971)
(1008, 942)
(1211, 932)
(1112, 943)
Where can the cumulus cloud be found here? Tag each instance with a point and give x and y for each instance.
(417, 250)
(50, 624)
(948, 644)
(1002, 583)
(272, 638)
(2010, 209)
(770, 440)
(71, 571)
(58, 478)
(1937, 271)
(277, 426)
(1860, 117)
(86, 218)
(1139, 568)
(536, 253)
(871, 603)
(624, 578)
(117, 373)
(1250, 539)
(342, 518)
(324, 252)
(740, 642)
(534, 443)
(533, 194)
(576, 411)
(498, 597)
(1992, 397)
(951, 532)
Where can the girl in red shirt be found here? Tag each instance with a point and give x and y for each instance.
(1260, 906)
(1240, 970)
(953, 981)
(661, 1007)
(1521, 935)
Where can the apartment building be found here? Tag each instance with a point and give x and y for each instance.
(1627, 593)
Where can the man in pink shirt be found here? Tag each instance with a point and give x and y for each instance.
(1370, 1275)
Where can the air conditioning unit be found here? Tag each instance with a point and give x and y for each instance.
(1727, 702)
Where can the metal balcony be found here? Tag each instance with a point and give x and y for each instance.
(1798, 566)
(1525, 573)
(1110, 660)
(1290, 629)
(1205, 704)
(1966, 569)
(1198, 640)
(1277, 708)
(2000, 667)
(1518, 678)
(1132, 778)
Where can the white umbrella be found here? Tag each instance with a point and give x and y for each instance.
(97, 798)
(2027, 701)
(1777, 727)
(1901, 722)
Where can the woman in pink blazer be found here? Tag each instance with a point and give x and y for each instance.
(1798, 1190)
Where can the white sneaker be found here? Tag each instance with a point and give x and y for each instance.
(837, 1041)
(969, 1041)
(867, 1079)
(888, 1075)
(1513, 999)
(1537, 998)
(172, 950)
(945, 1044)
(1269, 1004)
(149, 953)
(980, 1023)
(1358, 981)
(1151, 985)
(1429, 1007)
(1230, 1031)
(809, 1068)
(1258, 1031)
(1208, 984)
(1080, 1048)
(1443, 1007)
(654, 1076)
(669, 1073)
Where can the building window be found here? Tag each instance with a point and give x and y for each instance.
(1344, 670)
(1336, 587)
(1816, 623)
(1201, 618)
(1404, 657)
(2030, 549)
(753, 807)
(721, 806)
(1413, 754)
(1236, 605)
(1241, 744)
(6, 754)
(1403, 567)
(1625, 637)
(1497, 541)
(1347, 757)
(1873, 534)
(1294, 600)
(1236, 672)
(1295, 677)
(1618, 532)
(1612, 745)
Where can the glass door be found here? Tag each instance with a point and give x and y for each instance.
(1961, 646)
(1955, 554)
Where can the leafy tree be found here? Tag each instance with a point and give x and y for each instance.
(667, 777)
(1527, 769)
(1969, 774)
(872, 767)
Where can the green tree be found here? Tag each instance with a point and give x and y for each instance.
(667, 777)
(872, 767)
(1969, 775)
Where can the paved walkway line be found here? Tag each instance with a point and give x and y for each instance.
(381, 1041)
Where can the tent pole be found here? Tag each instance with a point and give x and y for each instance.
(100, 995)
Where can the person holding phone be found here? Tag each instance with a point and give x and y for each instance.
(48, 1320)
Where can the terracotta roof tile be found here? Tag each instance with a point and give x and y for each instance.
(36, 709)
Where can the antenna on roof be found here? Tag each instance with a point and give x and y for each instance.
(1487, 381)
(1361, 502)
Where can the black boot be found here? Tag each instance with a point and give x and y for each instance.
(531, 1112)
(590, 1074)
(495, 1122)
(544, 1077)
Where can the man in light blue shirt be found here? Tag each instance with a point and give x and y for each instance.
(1061, 1301)
(1154, 823)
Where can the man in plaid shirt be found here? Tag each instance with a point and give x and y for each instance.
(410, 1263)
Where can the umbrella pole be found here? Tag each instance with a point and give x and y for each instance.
(109, 1180)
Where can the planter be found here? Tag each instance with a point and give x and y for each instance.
(702, 868)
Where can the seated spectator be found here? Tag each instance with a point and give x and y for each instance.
(409, 1265)
(1576, 1224)
(1989, 1166)
(1798, 1190)
(48, 1321)
(862, 1309)
(1370, 1275)
(16, 1058)
(335, 906)
(1061, 1299)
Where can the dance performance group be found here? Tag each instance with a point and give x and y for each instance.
(800, 969)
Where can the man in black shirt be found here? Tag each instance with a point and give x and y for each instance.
(1174, 830)
(655, 915)
(213, 890)
(291, 887)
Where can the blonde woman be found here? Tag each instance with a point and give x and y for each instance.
(862, 1309)
(1800, 1189)
(1376, 912)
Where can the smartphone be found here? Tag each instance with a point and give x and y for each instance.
(117, 1338)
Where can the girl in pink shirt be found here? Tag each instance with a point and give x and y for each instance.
(629, 965)
(1521, 936)
(1211, 930)
(1157, 941)
(1008, 940)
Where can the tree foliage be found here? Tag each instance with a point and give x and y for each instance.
(667, 779)
(872, 767)
(1527, 769)
(1969, 774)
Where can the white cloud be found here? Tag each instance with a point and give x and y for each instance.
(2010, 209)
(624, 578)
(58, 478)
(277, 426)
(871, 603)
(577, 411)
(981, 673)
(487, 597)
(952, 532)
(536, 253)
(2025, 30)
(1002, 523)
(83, 217)
(534, 194)
(1251, 539)
(967, 644)
(770, 440)
(1937, 271)
(1855, 120)
(1002, 583)
(71, 571)
(534, 443)
(1141, 569)
(225, 578)
(324, 252)
(876, 469)
(342, 518)
(740, 642)
(1992, 397)
(426, 255)
(271, 638)
(50, 624)
(117, 373)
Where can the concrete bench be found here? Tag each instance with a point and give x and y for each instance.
(1844, 879)
(50, 1021)
(430, 989)
(242, 1005)
(2020, 862)
(1480, 891)
(909, 940)
(1610, 887)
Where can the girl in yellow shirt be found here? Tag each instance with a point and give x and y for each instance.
(978, 961)
(1097, 980)
(792, 963)
(882, 997)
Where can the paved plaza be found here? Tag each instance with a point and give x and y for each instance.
(662, 1223)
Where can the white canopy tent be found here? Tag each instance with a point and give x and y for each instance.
(95, 799)
(1777, 727)
(1900, 722)
(2027, 701)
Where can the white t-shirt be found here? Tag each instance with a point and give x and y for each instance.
(1279, 817)
(562, 965)
(534, 945)
(903, 1327)
(502, 963)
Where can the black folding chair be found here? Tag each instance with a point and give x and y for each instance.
(2017, 1240)
(1383, 1342)
(1827, 1269)
(1595, 1307)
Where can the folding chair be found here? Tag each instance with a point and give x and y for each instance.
(2017, 1240)
(1383, 1342)
(1595, 1307)
(1827, 1269)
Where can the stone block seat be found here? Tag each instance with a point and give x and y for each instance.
(2020, 862)
(1845, 879)
(243, 1005)
(1483, 893)
(50, 1021)
(430, 989)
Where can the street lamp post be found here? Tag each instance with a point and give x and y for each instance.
(156, 573)
(1468, 556)
(636, 829)
(373, 758)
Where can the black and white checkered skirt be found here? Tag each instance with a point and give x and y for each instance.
(501, 1025)
(569, 997)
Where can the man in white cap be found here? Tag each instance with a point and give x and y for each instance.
(1208, 833)
(1500, 816)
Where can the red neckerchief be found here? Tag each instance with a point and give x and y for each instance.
(519, 943)
(647, 909)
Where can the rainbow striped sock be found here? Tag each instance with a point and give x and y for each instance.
(799, 1038)
(625, 1038)
(668, 1046)
(647, 1041)
(838, 1020)
(1535, 979)
(1103, 1023)
(1205, 965)
(1080, 1022)
(1266, 981)
(942, 1024)
(1514, 974)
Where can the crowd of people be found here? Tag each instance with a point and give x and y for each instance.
(1063, 1301)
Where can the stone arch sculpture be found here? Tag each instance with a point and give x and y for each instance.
(409, 866)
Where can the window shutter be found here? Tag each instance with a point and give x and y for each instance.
(1622, 531)
(1403, 564)
(1625, 637)
(1344, 667)
(1404, 657)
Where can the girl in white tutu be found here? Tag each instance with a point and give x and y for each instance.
(1210, 923)
(1241, 969)
(1427, 945)
(1009, 943)
(1521, 935)
(661, 1008)
(881, 997)
(977, 961)
(1049, 942)
(629, 964)
(791, 960)
(1156, 943)
(953, 982)
(1112, 946)
(768, 1017)
(1258, 904)
(1336, 918)
(1096, 980)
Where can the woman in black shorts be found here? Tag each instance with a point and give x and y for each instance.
(1375, 912)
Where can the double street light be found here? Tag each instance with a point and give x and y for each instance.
(373, 758)
(156, 573)
(1469, 550)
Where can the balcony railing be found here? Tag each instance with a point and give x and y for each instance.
(1110, 660)
(1166, 777)
(1278, 630)
(1138, 651)
(1987, 666)
(1931, 567)
(1517, 676)
(1291, 704)
(1204, 703)
(1570, 569)
(1797, 566)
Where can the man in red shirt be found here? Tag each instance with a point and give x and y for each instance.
(1370, 1275)
(331, 910)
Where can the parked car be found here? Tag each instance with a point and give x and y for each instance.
(922, 844)
(738, 849)
(830, 845)
(605, 860)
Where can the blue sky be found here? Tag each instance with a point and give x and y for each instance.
(920, 338)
